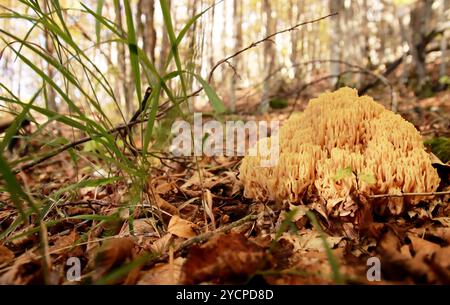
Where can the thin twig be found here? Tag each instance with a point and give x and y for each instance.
(365, 71)
(268, 38)
(299, 91)
(73, 144)
(390, 67)
(203, 237)
(165, 105)
(143, 105)
(410, 194)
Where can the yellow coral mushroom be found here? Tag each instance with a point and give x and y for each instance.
(338, 131)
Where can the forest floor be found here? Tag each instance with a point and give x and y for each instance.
(191, 230)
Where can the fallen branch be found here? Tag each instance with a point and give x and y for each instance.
(202, 238)
(410, 194)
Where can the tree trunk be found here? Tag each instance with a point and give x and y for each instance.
(237, 19)
(165, 46)
(402, 12)
(147, 7)
(419, 17)
(445, 37)
(269, 56)
(211, 38)
(335, 38)
(295, 36)
(365, 44)
(127, 93)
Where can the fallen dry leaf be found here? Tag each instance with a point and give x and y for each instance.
(143, 226)
(440, 263)
(398, 264)
(181, 227)
(445, 221)
(306, 240)
(164, 188)
(113, 253)
(6, 256)
(224, 258)
(63, 242)
(26, 269)
(422, 247)
(166, 206)
(163, 274)
(442, 233)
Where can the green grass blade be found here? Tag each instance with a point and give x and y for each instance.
(132, 46)
(15, 126)
(151, 119)
(186, 28)
(106, 22)
(173, 41)
(86, 183)
(34, 230)
(94, 217)
(126, 268)
(334, 264)
(214, 99)
(98, 24)
(14, 189)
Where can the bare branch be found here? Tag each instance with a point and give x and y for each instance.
(410, 194)
(268, 38)
(73, 144)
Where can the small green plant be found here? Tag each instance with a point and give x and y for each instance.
(444, 80)
(440, 146)
(342, 173)
(367, 177)
(278, 103)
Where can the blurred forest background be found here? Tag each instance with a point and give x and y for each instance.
(365, 43)
(89, 91)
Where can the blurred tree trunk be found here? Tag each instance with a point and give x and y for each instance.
(223, 46)
(444, 40)
(402, 11)
(301, 13)
(211, 38)
(335, 6)
(50, 91)
(127, 92)
(165, 45)
(419, 18)
(147, 7)
(365, 44)
(269, 55)
(237, 21)
(294, 35)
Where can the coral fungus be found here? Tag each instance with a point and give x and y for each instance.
(339, 144)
